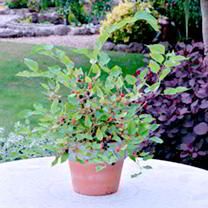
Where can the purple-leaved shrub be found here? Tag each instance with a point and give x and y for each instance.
(183, 118)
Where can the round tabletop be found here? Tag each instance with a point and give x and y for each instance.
(35, 184)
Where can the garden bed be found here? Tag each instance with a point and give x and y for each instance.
(23, 23)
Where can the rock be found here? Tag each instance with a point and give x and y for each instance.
(61, 30)
(43, 32)
(108, 46)
(31, 30)
(85, 30)
(9, 33)
(35, 18)
(135, 47)
(122, 47)
(81, 31)
(4, 11)
(53, 18)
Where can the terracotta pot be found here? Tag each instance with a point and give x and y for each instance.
(87, 181)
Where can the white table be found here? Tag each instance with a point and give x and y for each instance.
(34, 184)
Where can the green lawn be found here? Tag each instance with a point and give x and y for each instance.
(17, 94)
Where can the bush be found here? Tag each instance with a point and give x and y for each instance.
(138, 32)
(78, 12)
(34, 5)
(17, 145)
(99, 9)
(16, 4)
(183, 118)
(175, 10)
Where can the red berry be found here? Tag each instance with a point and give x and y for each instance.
(138, 72)
(122, 94)
(110, 119)
(90, 86)
(135, 154)
(118, 149)
(101, 146)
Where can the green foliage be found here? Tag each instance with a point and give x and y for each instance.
(97, 119)
(37, 5)
(18, 146)
(16, 4)
(34, 5)
(100, 8)
(185, 13)
(72, 10)
(21, 92)
(140, 31)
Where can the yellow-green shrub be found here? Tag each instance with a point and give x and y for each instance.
(139, 32)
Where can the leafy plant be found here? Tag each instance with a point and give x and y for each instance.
(73, 11)
(34, 5)
(139, 31)
(100, 8)
(18, 145)
(185, 14)
(16, 4)
(183, 118)
(96, 120)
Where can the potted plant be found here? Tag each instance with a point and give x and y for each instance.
(94, 116)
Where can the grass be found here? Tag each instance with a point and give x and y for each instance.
(18, 94)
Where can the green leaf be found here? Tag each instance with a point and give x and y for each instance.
(88, 121)
(173, 91)
(154, 87)
(131, 128)
(132, 158)
(157, 48)
(95, 69)
(84, 51)
(72, 99)
(164, 73)
(99, 134)
(157, 57)
(54, 107)
(32, 65)
(143, 15)
(64, 59)
(104, 59)
(116, 138)
(31, 74)
(119, 83)
(40, 48)
(88, 79)
(146, 118)
(100, 168)
(99, 92)
(131, 79)
(140, 15)
(170, 91)
(109, 83)
(157, 140)
(45, 86)
(116, 71)
(181, 89)
(154, 66)
(55, 162)
(143, 74)
(64, 157)
(178, 58)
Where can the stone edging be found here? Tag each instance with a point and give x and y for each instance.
(12, 28)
